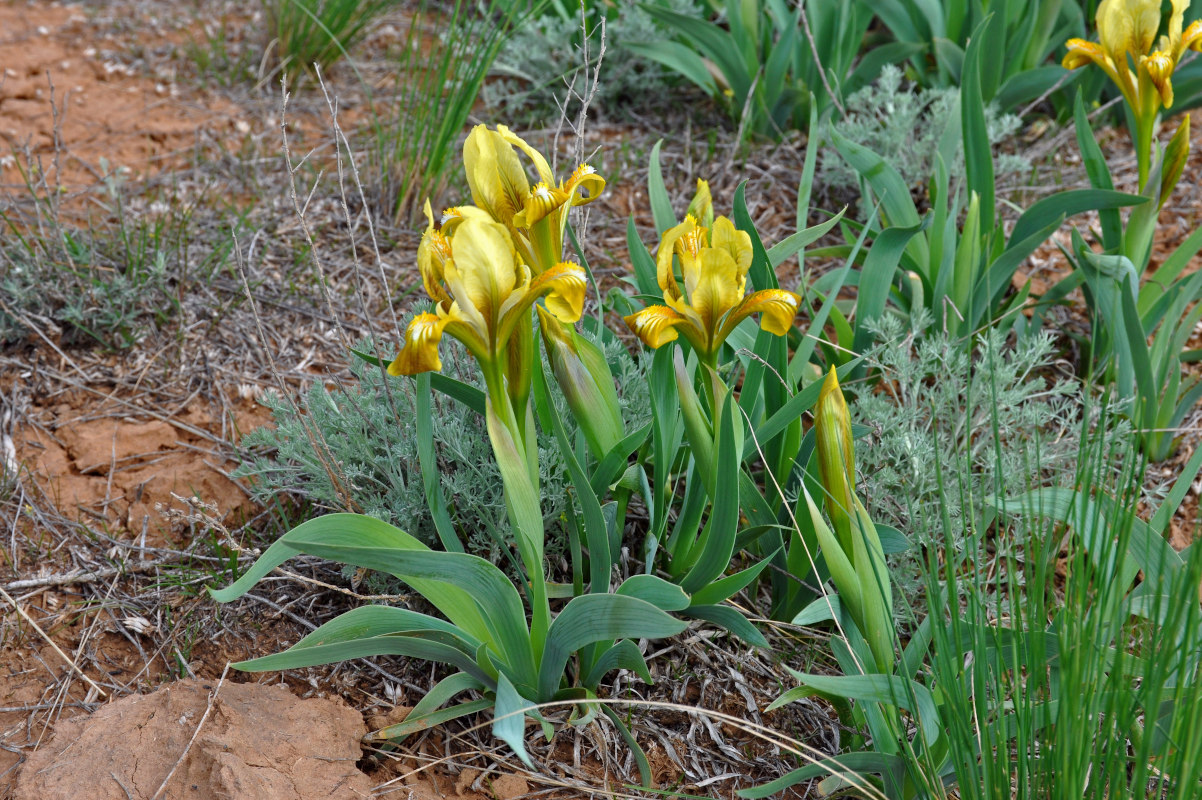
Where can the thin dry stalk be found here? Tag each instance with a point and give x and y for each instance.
(66, 658)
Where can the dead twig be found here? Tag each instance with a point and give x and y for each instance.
(90, 576)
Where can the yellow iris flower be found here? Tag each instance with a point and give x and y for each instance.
(1127, 32)
(482, 290)
(714, 264)
(535, 216)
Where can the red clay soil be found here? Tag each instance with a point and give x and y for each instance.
(109, 464)
(103, 109)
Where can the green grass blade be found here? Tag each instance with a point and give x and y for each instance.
(429, 466)
(657, 194)
(978, 154)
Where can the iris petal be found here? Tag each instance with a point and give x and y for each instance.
(420, 351)
(494, 174)
(564, 286)
(715, 290)
(776, 307)
(544, 199)
(663, 256)
(483, 273)
(1081, 52)
(584, 185)
(1160, 67)
(736, 242)
(540, 164)
(1192, 38)
(432, 255)
(655, 325)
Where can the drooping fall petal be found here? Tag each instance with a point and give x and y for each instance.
(543, 200)
(564, 286)
(1080, 53)
(1191, 39)
(420, 350)
(776, 307)
(1160, 68)
(584, 185)
(483, 273)
(656, 325)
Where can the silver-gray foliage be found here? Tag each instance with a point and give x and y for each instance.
(903, 124)
(540, 56)
(1014, 426)
(354, 448)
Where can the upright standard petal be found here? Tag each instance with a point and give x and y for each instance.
(667, 249)
(540, 164)
(494, 174)
(713, 289)
(483, 273)
(433, 253)
(727, 237)
(1176, 21)
(1127, 26)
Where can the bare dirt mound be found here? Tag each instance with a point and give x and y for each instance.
(248, 742)
(119, 468)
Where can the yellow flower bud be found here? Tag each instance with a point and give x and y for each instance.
(584, 377)
(836, 457)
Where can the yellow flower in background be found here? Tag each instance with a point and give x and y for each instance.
(713, 264)
(1161, 63)
(482, 290)
(1127, 32)
(536, 216)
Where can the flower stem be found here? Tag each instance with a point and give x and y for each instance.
(1144, 125)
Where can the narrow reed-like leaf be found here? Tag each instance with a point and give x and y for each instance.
(657, 196)
(429, 466)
